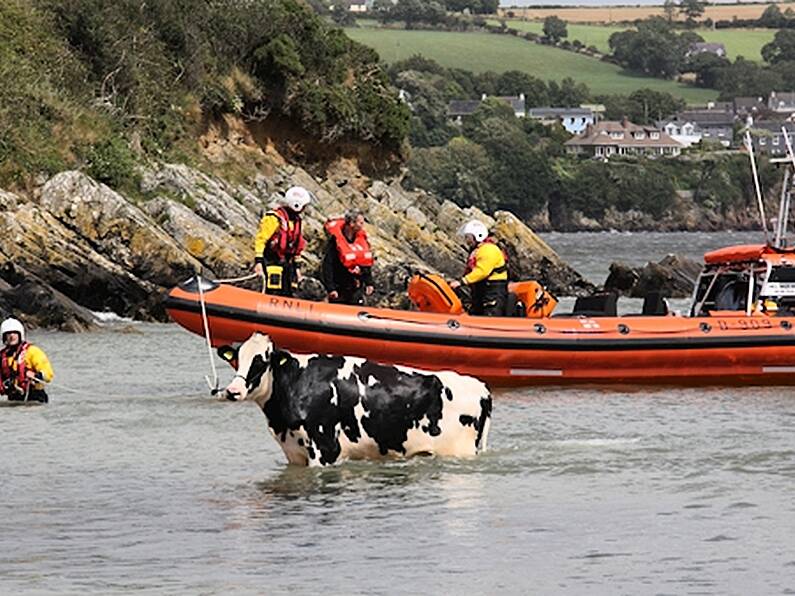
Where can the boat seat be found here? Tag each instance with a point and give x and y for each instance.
(654, 305)
(598, 305)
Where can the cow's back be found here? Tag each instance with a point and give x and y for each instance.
(336, 407)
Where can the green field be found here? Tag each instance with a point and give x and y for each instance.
(480, 52)
(739, 42)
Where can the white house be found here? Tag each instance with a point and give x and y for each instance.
(574, 120)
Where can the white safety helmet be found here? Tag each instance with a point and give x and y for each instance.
(296, 198)
(476, 229)
(10, 326)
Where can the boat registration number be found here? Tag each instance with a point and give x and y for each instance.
(745, 324)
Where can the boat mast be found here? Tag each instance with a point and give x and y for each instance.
(786, 192)
(750, 146)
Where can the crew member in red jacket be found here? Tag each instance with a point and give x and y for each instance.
(348, 260)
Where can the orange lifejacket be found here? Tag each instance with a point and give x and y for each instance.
(353, 254)
(472, 258)
(286, 243)
(7, 372)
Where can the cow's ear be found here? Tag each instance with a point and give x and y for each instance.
(227, 353)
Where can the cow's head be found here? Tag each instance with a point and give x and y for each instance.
(254, 375)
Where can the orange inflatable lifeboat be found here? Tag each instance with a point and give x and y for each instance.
(741, 330)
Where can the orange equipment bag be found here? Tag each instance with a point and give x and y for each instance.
(431, 293)
(539, 303)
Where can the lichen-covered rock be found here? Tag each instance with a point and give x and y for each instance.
(224, 254)
(116, 228)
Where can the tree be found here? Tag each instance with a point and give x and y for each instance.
(382, 10)
(772, 18)
(514, 82)
(414, 11)
(669, 9)
(692, 9)
(746, 78)
(648, 105)
(459, 171)
(473, 6)
(568, 93)
(342, 16)
(654, 48)
(706, 67)
(781, 49)
(430, 94)
(555, 29)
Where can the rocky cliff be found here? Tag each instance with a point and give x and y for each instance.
(73, 246)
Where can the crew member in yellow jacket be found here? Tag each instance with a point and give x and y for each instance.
(279, 241)
(486, 272)
(24, 368)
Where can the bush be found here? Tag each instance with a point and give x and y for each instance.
(86, 67)
(111, 162)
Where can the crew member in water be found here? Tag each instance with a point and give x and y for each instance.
(348, 260)
(279, 241)
(24, 368)
(486, 271)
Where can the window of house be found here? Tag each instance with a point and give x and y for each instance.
(617, 135)
(655, 135)
(763, 141)
(776, 140)
(639, 135)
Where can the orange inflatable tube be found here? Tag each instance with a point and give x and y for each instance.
(730, 349)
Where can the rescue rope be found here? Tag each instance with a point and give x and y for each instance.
(237, 280)
(61, 387)
(212, 386)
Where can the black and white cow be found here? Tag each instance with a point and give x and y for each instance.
(324, 409)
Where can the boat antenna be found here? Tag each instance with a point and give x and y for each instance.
(750, 146)
(785, 191)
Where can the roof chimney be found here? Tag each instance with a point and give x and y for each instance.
(625, 122)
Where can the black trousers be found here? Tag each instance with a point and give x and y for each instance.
(489, 298)
(33, 395)
(354, 296)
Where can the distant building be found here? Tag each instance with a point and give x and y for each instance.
(718, 49)
(458, 109)
(781, 103)
(609, 138)
(768, 137)
(574, 120)
(695, 126)
(749, 106)
(360, 6)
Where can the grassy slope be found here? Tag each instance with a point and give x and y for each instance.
(739, 42)
(483, 51)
